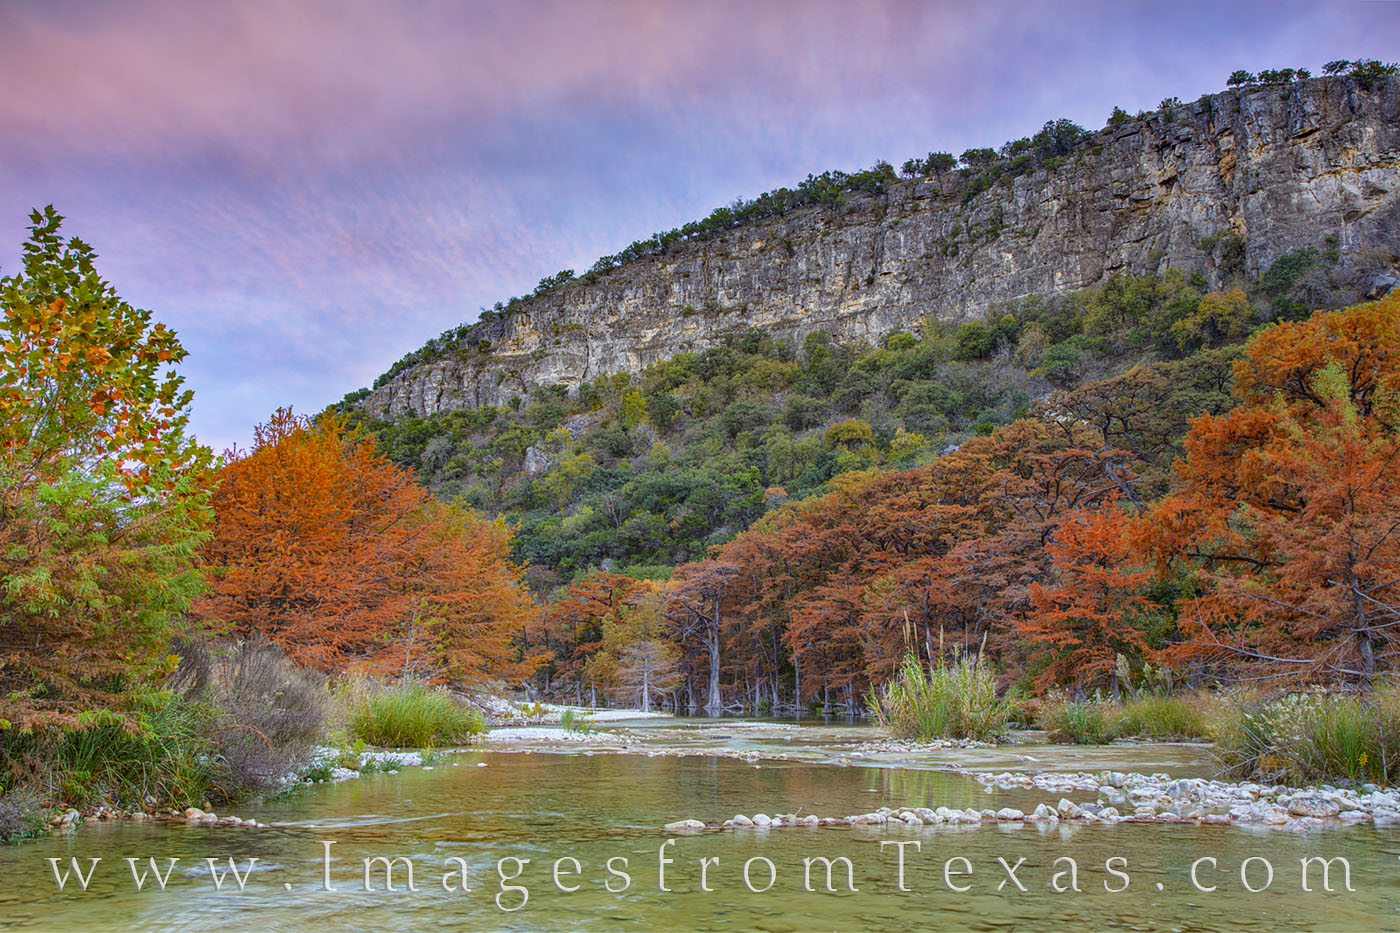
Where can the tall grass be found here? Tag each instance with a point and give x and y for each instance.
(158, 750)
(1311, 737)
(411, 716)
(233, 721)
(1160, 717)
(955, 700)
(1098, 721)
(572, 721)
(1078, 722)
(268, 715)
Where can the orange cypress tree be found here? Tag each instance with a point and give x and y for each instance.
(325, 547)
(1288, 513)
(1085, 619)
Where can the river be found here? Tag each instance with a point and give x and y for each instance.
(592, 802)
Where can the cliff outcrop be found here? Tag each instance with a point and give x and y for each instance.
(1269, 169)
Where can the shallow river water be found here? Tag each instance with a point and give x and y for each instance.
(590, 803)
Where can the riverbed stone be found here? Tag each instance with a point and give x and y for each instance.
(1112, 796)
(1010, 815)
(1314, 805)
(1068, 809)
(1259, 812)
(762, 819)
(681, 826)
(1044, 814)
(1302, 824)
(741, 820)
(1184, 788)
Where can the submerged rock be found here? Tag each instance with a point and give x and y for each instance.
(681, 826)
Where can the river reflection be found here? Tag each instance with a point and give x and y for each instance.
(593, 808)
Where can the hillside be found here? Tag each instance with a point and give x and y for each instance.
(642, 472)
(1220, 187)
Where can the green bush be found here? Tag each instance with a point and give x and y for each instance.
(1159, 718)
(957, 700)
(412, 716)
(1078, 722)
(573, 722)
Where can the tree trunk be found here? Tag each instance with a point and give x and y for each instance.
(796, 682)
(714, 704)
(1368, 659)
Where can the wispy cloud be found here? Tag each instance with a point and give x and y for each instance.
(309, 190)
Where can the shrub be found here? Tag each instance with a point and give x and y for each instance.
(412, 715)
(20, 816)
(1159, 718)
(154, 748)
(268, 714)
(957, 700)
(573, 722)
(1078, 722)
(1312, 737)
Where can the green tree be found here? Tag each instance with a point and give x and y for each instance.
(851, 434)
(634, 407)
(103, 499)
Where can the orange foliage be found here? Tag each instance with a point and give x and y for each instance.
(1287, 511)
(886, 562)
(1086, 618)
(325, 547)
(570, 630)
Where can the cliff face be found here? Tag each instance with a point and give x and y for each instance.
(1314, 163)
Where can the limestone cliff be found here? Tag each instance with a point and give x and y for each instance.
(1312, 163)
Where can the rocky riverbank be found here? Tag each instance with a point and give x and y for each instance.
(1120, 797)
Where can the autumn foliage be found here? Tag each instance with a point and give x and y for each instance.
(1237, 514)
(1288, 511)
(103, 498)
(326, 548)
(1089, 615)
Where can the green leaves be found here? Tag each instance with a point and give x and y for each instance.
(104, 498)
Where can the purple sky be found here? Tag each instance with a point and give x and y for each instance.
(308, 190)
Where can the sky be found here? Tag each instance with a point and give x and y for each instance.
(306, 190)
